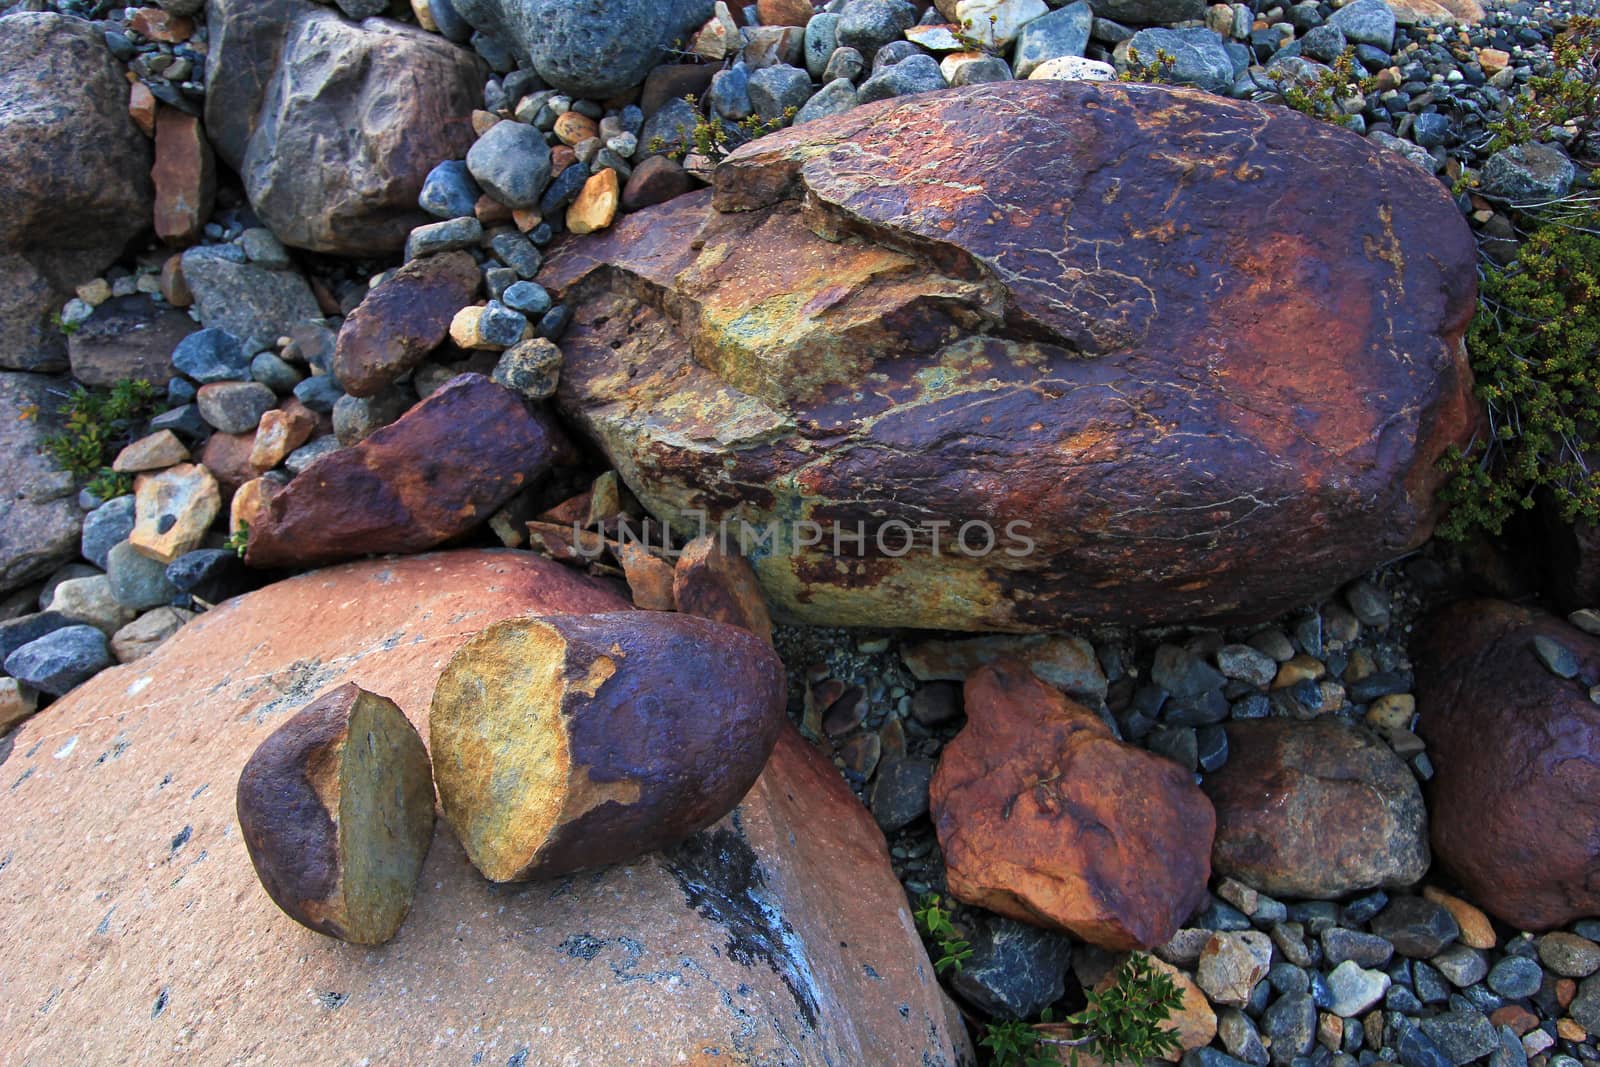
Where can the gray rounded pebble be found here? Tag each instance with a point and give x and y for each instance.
(137, 581)
(104, 527)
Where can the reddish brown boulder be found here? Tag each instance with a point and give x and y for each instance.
(185, 177)
(655, 181)
(778, 935)
(1043, 347)
(227, 457)
(713, 582)
(1045, 816)
(439, 470)
(401, 321)
(1316, 809)
(1515, 796)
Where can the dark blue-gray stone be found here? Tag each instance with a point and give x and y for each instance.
(1291, 1024)
(274, 372)
(1016, 970)
(517, 252)
(868, 25)
(14, 633)
(1430, 129)
(1198, 57)
(981, 71)
(1462, 1036)
(1324, 44)
(775, 89)
(1515, 977)
(530, 298)
(1366, 22)
(835, 98)
(512, 162)
(61, 659)
(499, 325)
(449, 192)
(212, 355)
(1527, 172)
(185, 421)
(729, 95)
(1063, 32)
(136, 580)
(105, 526)
(669, 130)
(1415, 1048)
(1368, 950)
(554, 323)
(1417, 927)
(1211, 746)
(319, 393)
(564, 189)
(212, 574)
(448, 19)
(900, 792)
(444, 236)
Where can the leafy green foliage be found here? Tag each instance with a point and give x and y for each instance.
(1568, 96)
(1321, 98)
(239, 540)
(95, 423)
(972, 42)
(1535, 350)
(714, 138)
(934, 921)
(1017, 1044)
(1156, 71)
(1123, 1024)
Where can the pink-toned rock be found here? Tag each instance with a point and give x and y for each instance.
(185, 177)
(1046, 817)
(227, 457)
(402, 320)
(437, 471)
(131, 904)
(281, 431)
(142, 108)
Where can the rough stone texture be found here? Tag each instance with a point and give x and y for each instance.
(1316, 809)
(40, 522)
(402, 320)
(1516, 753)
(185, 177)
(1044, 816)
(346, 129)
(127, 337)
(1142, 344)
(123, 870)
(255, 304)
(717, 584)
(582, 48)
(76, 185)
(174, 509)
(436, 472)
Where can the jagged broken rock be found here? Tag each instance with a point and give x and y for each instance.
(1130, 334)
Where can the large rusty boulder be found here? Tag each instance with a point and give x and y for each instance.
(779, 935)
(1515, 797)
(1045, 816)
(434, 473)
(1316, 809)
(76, 181)
(1131, 333)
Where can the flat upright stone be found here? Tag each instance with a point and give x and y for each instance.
(1495, 719)
(185, 177)
(1316, 809)
(825, 965)
(397, 324)
(441, 469)
(739, 314)
(173, 510)
(40, 521)
(1031, 805)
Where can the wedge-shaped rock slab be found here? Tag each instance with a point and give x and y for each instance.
(336, 809)
(1046, 817)
(437, 471)
(1139, 322)
(579, 740)
(779, 934)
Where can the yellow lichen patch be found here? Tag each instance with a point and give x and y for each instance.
(600, 671)
(501, 754)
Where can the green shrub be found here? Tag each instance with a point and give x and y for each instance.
(1157, 71)
(1535, 349)
(95, 424)
(1321, 99)
(1568, 96)
(934, 921)
(714, 138)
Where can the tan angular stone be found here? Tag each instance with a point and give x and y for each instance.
(483, 121)
(596, 205)
(1302, 668)
(464, 329)
(173, 510)
(574, 127)
(279, 433)
(17, 702)
(174, 290)
(649, 577)
(718, 36)
(141, 636)
(152, 452)
(142, 108)
(249, 504)
(89, 600)
(1493, 60)
(1476, 929)
(1230, 965)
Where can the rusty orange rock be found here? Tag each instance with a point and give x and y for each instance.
(437, 471)
(1058, 305)
(1046, 817)
(185, 177)
(397, 324)
(713, 582)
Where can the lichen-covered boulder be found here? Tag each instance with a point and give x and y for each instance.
(1132, 335)
(778, 935)
(1515, 796)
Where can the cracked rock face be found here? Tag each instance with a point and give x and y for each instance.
(1140, 321)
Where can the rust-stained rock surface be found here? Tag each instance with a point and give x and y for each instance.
(1138, 320)
(434, 473)
(1044, 816)
(135, 931)
(1515, 797)
(402, 320)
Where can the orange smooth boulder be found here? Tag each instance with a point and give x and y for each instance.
(1045, 816)
(134, 929)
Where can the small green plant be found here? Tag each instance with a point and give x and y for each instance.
(1018, 1044)
(715, 138)
(1321, 98)
(94, 424)
(1568, 96)
(934, 922)
(239, 540)
(68, 328)
(1123, 1024)
(1157, 71)
(108, 484)
(970, 41)
(1535, 352)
